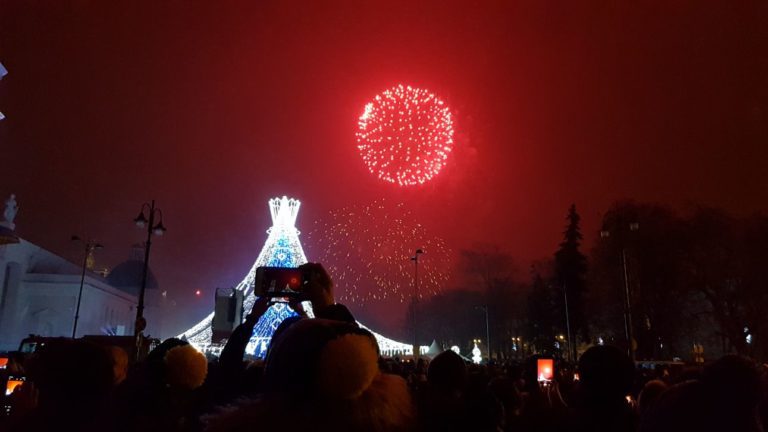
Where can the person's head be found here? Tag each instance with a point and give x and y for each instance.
(733, 383)
(328, 371)
(606, 373)
(447, 373)
(119, 363)
(176, 363)
(71, 375)
(158, 353)
(506, 391)
(295, 354)
(650, 393)
(681, 407)
(185, 367)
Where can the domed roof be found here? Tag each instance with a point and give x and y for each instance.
(127, 277)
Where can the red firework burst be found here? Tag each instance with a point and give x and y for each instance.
(405, 135)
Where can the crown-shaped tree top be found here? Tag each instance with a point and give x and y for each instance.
(284, 211)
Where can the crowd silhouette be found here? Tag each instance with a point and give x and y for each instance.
(326, 374)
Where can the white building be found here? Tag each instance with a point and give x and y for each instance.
(3, 72)
(39, 289)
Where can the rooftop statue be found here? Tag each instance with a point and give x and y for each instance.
(10, 211)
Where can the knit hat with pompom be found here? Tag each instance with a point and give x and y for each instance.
(185, 367)
(322, 357)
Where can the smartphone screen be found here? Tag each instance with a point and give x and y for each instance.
(278, 282)
(307, 305)
(545, 369)
(13, 382)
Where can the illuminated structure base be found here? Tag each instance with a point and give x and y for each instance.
(282, 249)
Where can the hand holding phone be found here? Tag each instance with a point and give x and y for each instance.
(13, 382)
(258, 309)
(318, 286)
(21, 396)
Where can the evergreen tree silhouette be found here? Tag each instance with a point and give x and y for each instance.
(570, 280)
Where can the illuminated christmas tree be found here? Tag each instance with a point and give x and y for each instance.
(282, 249)
(476, 355)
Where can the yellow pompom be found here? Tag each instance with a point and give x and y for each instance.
(186, 367)
(348, 366)
(119, 364)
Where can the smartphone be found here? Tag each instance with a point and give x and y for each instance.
(279, 282)
(13, 382)
(545, 369)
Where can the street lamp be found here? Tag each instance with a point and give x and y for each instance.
(517, 346)
(90, 246)
(571, 346)
(157, 229)
(487, 329)
(634, 226)
(415, 259)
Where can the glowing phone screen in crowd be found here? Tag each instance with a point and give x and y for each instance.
(13, 382)
(546, 369)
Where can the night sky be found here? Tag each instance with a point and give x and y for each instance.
(212, 108)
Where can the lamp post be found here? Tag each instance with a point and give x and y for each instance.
(157, 229)
(90, 246)
(517, 346)
(571, 345)
(628, 330)
(415, 259)
(487, 329)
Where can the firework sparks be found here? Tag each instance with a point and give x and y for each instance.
(367, 250)
(405, 135)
